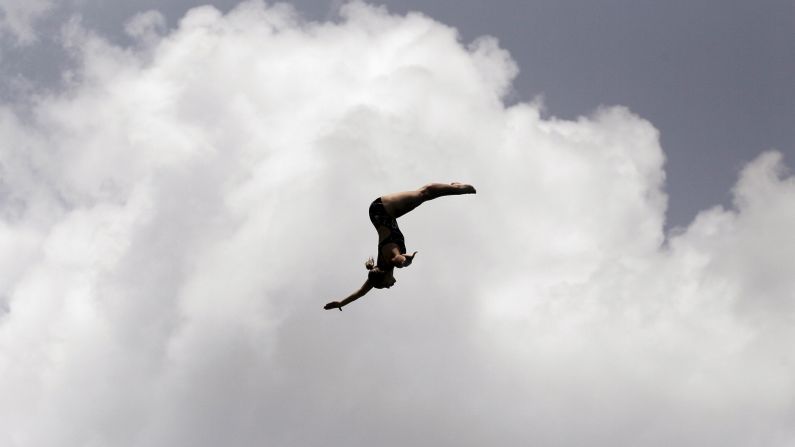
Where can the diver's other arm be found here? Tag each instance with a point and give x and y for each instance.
(403, 260)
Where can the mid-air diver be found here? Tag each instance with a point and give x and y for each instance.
(384, 212)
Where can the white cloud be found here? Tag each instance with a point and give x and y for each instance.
(173, 223)
(146, 26)
(18, 17)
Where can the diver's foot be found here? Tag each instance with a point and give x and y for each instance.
(465, 188)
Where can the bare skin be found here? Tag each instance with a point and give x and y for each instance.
(389, 256)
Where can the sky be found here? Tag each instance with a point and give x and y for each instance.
(183, 187)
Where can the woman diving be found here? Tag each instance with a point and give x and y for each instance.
(384, 212)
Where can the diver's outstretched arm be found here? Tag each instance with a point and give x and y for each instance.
(352, 297)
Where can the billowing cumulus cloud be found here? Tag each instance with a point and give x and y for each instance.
(174, 220)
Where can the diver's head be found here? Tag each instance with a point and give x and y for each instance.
(378, 278)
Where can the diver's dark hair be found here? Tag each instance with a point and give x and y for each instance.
(375, 276)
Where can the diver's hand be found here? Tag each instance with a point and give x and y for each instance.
(333, 305)
(409, 259)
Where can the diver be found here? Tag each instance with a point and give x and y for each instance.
(384, 212)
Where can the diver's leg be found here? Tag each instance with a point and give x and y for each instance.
(434, 190)
(400, 203)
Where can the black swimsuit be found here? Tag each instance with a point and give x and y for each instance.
(379, 217)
